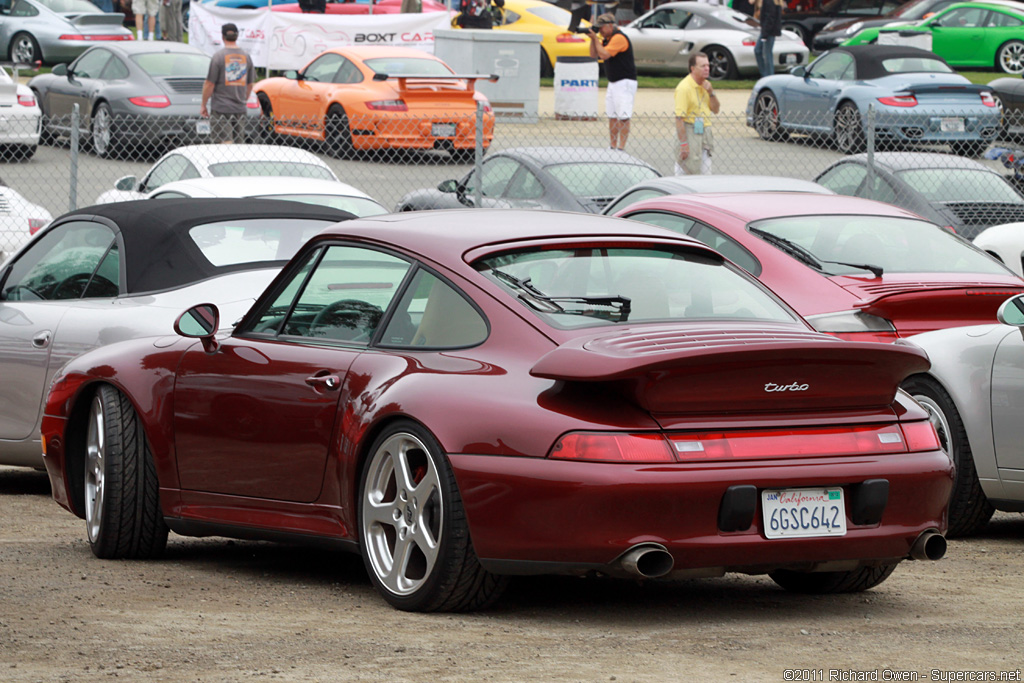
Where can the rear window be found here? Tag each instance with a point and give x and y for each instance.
(164, 64)
(896, 245)
(231, 243)
(408, 66)
(908, 65)
(358, 206)
(595, 286)
(590, 179)
(960, 185)
(291, 169)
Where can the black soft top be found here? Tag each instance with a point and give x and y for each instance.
(868, 58)
(157, 250)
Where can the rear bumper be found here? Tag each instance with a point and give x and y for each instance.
(542, 516)
(154, 128)
(925, 123)
(418, 132)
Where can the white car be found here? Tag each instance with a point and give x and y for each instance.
(1006, 243)
(19, 220)
(20, 118)
(214, 161)
(334, 194)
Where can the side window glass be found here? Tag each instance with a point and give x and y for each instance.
(671, 221)
(60, 264)
(844, 179)
(348, 73)
(170, 169)
(882, 191)
(323, 69)
(271, 319)
(1000, 20)
(115, 70)
(497, 175)
(104, 283)
(346, 295)
(91, 65)
(525, 186)
(727, 247)
(432, 314)
(23, 9)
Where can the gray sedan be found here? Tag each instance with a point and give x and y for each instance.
(130, 95)
(108, 273)
(580, 179)
(54, 31)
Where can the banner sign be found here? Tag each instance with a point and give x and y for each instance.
(286, 40)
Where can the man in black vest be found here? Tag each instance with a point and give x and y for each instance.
(610, 44)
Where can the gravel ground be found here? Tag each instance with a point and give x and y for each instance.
(219, 610)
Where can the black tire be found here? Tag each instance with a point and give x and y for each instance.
(1010, 57)
(797, 29)
(766, 117)
(547, 68)
(973, 149)
(969, 509)
(848, 129)
(466, 155)
(337, 134)
(267, 134)
(24, 48)
(723, 66)
(122, 494)
(397, 516)
(103, 133)
(46, 136)
(822, 583)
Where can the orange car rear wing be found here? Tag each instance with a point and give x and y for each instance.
(470, 79)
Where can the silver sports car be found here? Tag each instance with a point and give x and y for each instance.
(108, 273)
(664, 38)
(974, 392)
(54, 31)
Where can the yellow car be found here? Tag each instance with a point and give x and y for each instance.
(550, 22)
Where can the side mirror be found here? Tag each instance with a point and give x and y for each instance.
(292, 75)
(128, 183)
(799, 72)
(60, 70)
(1012, 311)
(448, 186)
(200, 322)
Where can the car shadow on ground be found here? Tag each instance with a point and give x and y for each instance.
(23, 481)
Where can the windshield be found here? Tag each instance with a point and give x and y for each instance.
(360, 206)
(844, 245)
(408, 66)
(230, 243)
(960, 185)
(164, 64)
(595, 286)
(292, 169)
(590, 179)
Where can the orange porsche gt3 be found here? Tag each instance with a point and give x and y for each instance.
(371, 98)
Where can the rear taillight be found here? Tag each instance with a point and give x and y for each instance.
(987, 99)
(899, 101)
(99, 37)
(151, 101)
(611, 447)
(749, 42)
(27, 100)
(920, 436)
(789, 443)
(253, 102)
(568, 38)
(387, 105)
(35, 225)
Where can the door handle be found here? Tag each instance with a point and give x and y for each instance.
(41, 340)
(328, 382)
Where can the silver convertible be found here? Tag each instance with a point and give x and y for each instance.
(104, 274)
(974, 393)
(664, 38)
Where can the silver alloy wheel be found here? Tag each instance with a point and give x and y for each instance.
(766, 116)
(1011, 57)
(402, 514)
(847, 129)
(95, 459)
(101, 130)
(938, 419)
(24, 49)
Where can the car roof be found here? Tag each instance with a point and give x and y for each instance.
(991, 4)
(732, 183)
(210, 154)
(137, 47)
(868, 58)
(252, 186)
(159, 254)
(752, 206)
(544, 156)
(445, 236)
(906, 161)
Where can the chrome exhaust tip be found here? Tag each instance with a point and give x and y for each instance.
(930, 545)
(647, 561)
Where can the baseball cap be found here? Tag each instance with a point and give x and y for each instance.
(228, 28)
(605, 19)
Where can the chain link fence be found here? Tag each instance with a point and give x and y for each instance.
(81, 160)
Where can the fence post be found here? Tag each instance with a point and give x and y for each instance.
(73, 189)
(871, 147)
(478, 156)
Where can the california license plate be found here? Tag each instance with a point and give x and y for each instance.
(443, 130)
(951, 124)
(203, 127)
(799, 513)
(790, 59)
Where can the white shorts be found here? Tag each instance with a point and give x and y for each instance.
(618, 99)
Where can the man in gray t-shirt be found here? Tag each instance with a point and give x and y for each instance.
(227, 88)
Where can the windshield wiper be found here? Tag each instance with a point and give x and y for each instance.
(807, 257)
(540, 301)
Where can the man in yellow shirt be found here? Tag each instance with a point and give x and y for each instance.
(695, 103)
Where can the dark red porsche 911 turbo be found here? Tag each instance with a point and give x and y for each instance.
(463, 396)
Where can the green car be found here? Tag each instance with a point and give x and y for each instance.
(976, 34)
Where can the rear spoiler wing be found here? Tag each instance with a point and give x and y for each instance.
(936, 88)
(471, 78)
